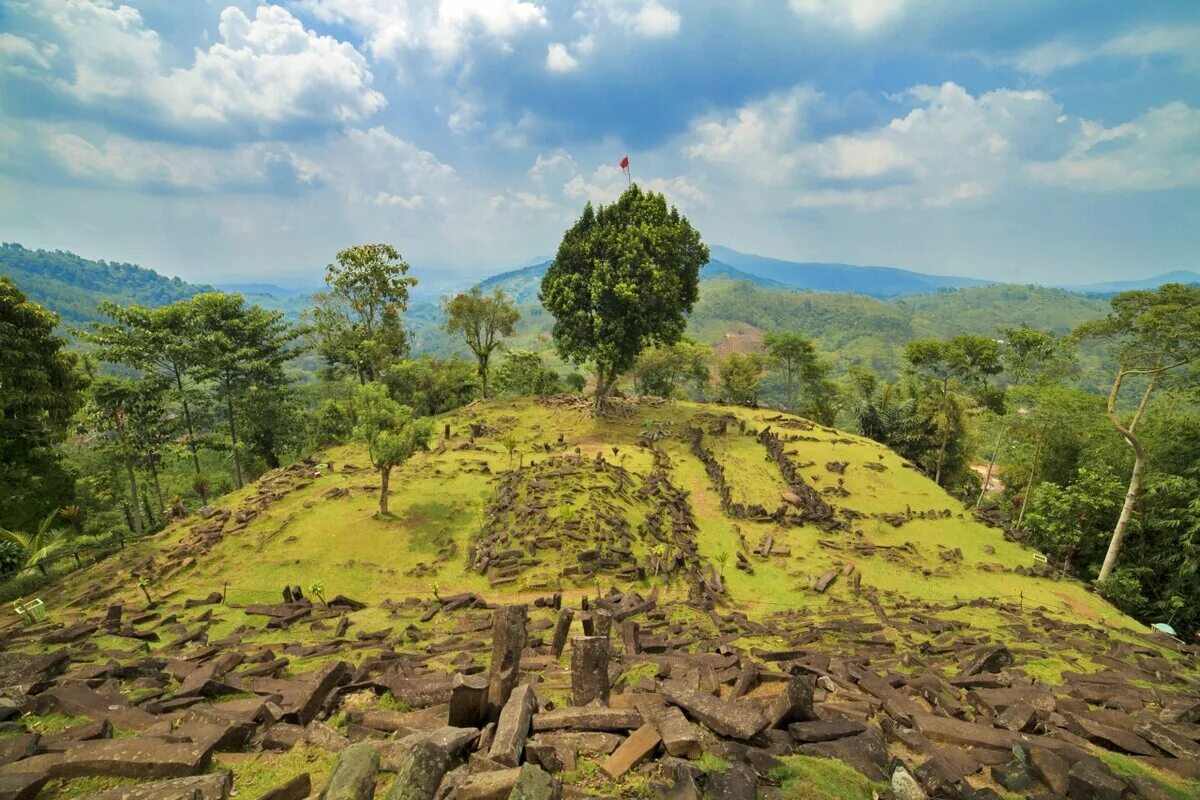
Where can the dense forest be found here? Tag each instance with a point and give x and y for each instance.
(1069, 420)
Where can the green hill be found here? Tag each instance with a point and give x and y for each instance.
(748, 568)
(72, 286)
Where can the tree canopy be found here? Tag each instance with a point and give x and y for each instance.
(483, 320)
(624, 278)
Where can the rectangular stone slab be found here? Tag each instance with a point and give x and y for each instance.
(639, 745)
(726, 718)
(679, 736)
(587, 719)
(513, 726)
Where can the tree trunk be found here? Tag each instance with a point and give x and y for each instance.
(135, 512)
(187, 416)
(604, 384)
(1135, 478)
(1037, 454)
(937, 477)
(237, 460)
(157, 486)
(991, 465)
(385, 475)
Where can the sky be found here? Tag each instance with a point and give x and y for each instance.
(1030, 140)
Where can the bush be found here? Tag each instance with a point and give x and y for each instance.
(1123, 590)
(332, 423)
(11, 557)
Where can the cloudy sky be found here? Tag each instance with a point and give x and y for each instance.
(1028, 140)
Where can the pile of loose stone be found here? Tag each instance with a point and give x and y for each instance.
(640, 686)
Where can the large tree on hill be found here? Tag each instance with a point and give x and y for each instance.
(239, 347)
(961, 362)
(806, 375)
(357, 321)
(39, 392)
(624, 278)
(1155, 336)
(391, 433)
(483, 320)
(154, 340)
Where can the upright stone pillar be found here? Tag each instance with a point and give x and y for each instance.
(589, 670)
(508, 642)
(562, 627)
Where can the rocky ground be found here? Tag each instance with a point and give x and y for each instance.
(652, 693)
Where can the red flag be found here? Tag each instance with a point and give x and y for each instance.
(625, 162)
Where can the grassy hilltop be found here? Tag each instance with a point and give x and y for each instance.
(868, 562)
(327, 530)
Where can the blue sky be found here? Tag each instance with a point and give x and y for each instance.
(1029, 141)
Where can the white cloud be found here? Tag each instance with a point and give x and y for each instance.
(759, 141)
(857, 16)
(559, 59)
(1158, 150)
(951, 147)
(654, 21)
(445, 28)
(557, 163)
(265, 73)
(608, 182)
(141, 165)
(649, 19)
(1181, 42)
(20, 53)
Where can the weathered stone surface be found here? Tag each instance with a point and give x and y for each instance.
(1169, 740)
(78, 700)
(639, 745)
(1013, 776)
(22, 785)
(1050, 769)
(589, 669)
(996, 700)
(679, 737)
(420, 767)
(991, 659)
(513, 726)
(495, 785)
(735, 782)
(14, 748)
(825, 730)
(588, 719)
(214, 786)
(1110, 736)
(866, 752)
(562, 627)
(354, 774)
(534, 783)
(793, 704)
(468, 700)
(735, 720)
(297, 788)
(905, 786)
(133, 757)
(316, 687)
(1017, 717)
(282, 736)
(321, 735)
(1089, 779)
(508, 642)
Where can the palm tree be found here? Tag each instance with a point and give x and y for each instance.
(41, 545)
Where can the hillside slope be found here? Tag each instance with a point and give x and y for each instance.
(730, 554)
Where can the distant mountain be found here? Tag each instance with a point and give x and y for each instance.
(1112, 287)
(881, 282)
(524, 283)
(267, 289)
(72, 286)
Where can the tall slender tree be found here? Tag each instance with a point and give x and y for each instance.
(1155, 337)
(483, 320)
(239, 347)
(965, 361)
(155, 340)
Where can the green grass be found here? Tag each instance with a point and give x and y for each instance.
(81, 787)
(815, 778)
(1126, 766)
(50, 724)
(711, 763)
(257, 774)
